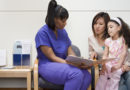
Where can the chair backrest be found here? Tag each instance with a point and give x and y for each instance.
(76, 50)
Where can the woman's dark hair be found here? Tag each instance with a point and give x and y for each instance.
(106, 18)
(55, 11)
(125, 31)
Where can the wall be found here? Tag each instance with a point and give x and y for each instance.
(21, 19)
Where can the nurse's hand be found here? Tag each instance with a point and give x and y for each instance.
(81, 66)
(67, 62)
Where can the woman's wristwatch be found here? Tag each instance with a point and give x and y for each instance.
(100, 67)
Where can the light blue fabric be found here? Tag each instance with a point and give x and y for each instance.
(125, 81)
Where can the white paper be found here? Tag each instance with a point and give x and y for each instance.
(22, 47)
(17, 49)
(2, 57)
(26, 47)
(8, 67)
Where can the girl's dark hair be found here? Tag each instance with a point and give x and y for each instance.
(55, 11)
(106, 18)
(125, 31)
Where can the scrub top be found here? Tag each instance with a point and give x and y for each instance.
(46, 37)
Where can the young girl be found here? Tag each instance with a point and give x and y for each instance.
(115, 47)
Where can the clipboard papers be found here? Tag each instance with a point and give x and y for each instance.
(22, 53)
(87, 62)
(2, 57)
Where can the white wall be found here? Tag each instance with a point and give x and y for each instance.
(21, 19)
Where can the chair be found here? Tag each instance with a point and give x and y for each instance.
(95, 75)
(42, 83)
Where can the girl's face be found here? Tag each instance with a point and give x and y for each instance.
(113, 29)
(60, 24)
(99, 26)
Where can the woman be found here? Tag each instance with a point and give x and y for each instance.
(53, 45)
(96, 47)
(116, 46)
(96, 41)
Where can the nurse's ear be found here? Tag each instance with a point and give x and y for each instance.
(56, 21)
(60, 24)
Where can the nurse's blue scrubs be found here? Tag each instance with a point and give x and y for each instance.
(71, 77)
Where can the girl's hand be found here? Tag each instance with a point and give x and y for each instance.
(93, 55)
(125, 68)
(116, 67)
(104, 69)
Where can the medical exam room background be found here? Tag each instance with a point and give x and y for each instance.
(21, 19)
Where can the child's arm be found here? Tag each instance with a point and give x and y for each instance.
(123, 55)
(122, 58)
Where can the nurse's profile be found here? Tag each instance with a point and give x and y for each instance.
(53, 46)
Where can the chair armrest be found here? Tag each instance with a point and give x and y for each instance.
(96, 74)
(35, 73)
(96, 69)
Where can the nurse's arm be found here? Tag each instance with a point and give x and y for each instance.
(48, 52)
(70, 51)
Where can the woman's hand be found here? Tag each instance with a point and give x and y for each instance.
(93, 55)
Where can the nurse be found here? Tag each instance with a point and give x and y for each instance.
(53, 45)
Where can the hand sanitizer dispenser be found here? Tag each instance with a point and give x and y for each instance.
(17, 53)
